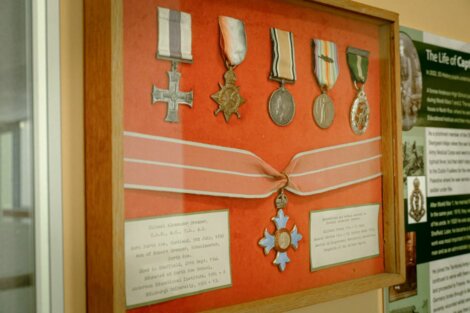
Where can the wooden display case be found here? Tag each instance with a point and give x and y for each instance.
(120, 68)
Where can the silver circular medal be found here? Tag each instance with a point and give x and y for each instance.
(323, 111)
(359, 116)
(281, 107)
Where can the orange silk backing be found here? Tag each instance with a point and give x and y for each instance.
(253, 274)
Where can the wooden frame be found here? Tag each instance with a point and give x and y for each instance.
(104, 181)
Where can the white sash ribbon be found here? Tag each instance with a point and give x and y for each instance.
(174, 165)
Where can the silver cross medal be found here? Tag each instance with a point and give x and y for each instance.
(173, 96)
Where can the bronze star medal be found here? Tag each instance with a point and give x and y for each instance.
(228, 97)
(233, 47)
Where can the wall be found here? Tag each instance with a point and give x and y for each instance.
(72, 155)
(449, 18)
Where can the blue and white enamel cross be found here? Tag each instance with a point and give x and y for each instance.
(282, 238)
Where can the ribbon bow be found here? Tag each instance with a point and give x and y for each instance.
(174, 165)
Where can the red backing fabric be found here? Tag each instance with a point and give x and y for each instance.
(253, 274)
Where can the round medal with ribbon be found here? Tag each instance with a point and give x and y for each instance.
(358, 62)
(326, 69)
(281, 103)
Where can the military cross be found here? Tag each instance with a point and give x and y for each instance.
(173, 96)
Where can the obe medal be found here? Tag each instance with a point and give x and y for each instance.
(326, 70)
(233, 45)
(282, 238)
(358, 62)
(174, 44)
(281, 105)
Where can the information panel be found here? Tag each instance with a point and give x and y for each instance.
(435, 88)
(343, 235)
(171, 256)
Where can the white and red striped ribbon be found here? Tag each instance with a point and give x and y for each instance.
(174, 165)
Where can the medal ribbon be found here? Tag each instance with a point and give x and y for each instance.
(232, 40)
(358, 62)
(326, 67)
(174, 35)
(174, 165)
(283, 55)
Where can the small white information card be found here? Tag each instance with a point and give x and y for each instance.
(343, 235)
(174, 256)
